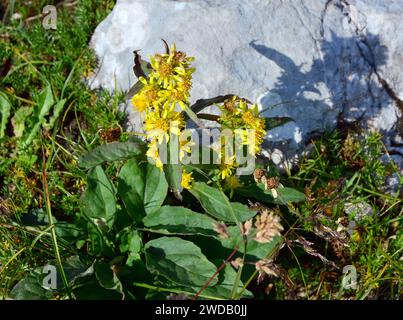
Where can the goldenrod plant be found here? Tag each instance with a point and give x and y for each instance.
(91, 211)
(162, 217)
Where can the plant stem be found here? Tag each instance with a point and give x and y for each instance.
(217, 272)
(239, 273)
(53, 230)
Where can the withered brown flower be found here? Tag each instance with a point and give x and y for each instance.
(266, 267)
(221, 229)
(238, 262)
(259, 175)
(272, 183)
(246, 227)
(267, 226)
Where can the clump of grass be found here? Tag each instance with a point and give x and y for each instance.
(32, 59)
(344, 180)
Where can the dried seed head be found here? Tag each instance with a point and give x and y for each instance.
(111, 134)
(308, 247)
(238, 262)
(272, 183)
(328, 234)
(266, 267)
(221, 229)
(230, 105)
(259, 174)
(246, 227)
(257, 206)
(179, 56)
(267, 226)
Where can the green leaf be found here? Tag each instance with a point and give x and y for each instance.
(130, 241)
(274, 122)
(30, 288)
(213, 201)
(146, 66)
(5, 108)
(180, 261)
(18, 121)
(42, 108)
(156, 188)
(256, 192)
(90, 289)
(44, 103)
(107, 278)
(173, 173)
(134, 90)
(216, 203)
(99, 197)
(226, 280)
(242, 211)
(285, 195)
(142, 192)
(180, 220)
(56, 113)
(110, 152)
(33, 286)
(68, 231)
(131, 185)
(74, 269)
(190, 113)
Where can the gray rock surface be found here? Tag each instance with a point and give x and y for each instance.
(320, 62)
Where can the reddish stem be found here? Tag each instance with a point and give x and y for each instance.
(217, 272)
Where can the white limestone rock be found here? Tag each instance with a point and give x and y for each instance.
(316, 61)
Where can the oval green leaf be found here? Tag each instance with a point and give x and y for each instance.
(180, 220)
(99, 198)
(131, 189)
(156, 189)
(110, 152)
(213, 201)
(180, 261)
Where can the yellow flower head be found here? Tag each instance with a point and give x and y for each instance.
(153, 153)
(147, 97)
(229, 106)
(231, 183)
(187, 180)
(167, 85)
(227, 167)
(139, 101)
(169, 69)
(160, 125)
(184, 146)
(174, 96)
(249, 119)
(245, 121)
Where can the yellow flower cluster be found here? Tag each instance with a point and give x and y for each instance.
(166, 86)
(245, 122)
(187, 180)
(248, 127)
